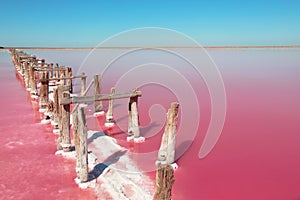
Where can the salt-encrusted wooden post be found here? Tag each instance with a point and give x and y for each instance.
(76, 140)
(164, 182)
(133, 118)
(51, 70)
(166, 154)
(26, 75)
(83, 150)
(83, 84)
(62, 75)
(65, 112)
(69, 81)
(55, 111)
(109, 114)
(98, 104)
(33, 88)
(63, 141)
(44, 91)
(56, 72)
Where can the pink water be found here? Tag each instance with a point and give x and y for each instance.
(258, 153)
(29, 169)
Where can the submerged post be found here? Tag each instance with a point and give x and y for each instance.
(98, 104)
(83, 151)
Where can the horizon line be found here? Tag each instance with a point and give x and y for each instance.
(159, 47)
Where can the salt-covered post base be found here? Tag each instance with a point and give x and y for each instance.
(135, 139)
(99, 113)
(109, 124)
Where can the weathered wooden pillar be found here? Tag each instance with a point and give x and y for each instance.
(56, 71)
(133, 118)
(26, 75)
(83, 150)
(164, 182)
(98, 104)
(55, 111)
(109, 114)
(166, 154)
(69, 81)
(51, 70)
(62, 75)
(63, 141)
(44, 91)
(32, 81)
(83, 84)
(65, 112)
(76, 140)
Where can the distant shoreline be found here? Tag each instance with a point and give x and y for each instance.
(156, 47)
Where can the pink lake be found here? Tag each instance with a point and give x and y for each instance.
(256, 157)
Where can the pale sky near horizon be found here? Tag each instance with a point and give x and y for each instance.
(58, 23)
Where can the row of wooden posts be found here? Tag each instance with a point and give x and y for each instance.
(37, 74)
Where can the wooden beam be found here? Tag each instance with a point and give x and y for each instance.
(100, 97)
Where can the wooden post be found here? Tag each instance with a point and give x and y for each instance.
(55, 111)
(133, 118)
(66, 140)
(62, 75)
(51, 72)
(55, 73)
(164, 182)
(83, 150)
(97, 83)
(76, 140)
(26, 77)
(83, 84)
(166, 154)
(109, 114)
(32, 81)
(69, 81)
(44, 91)
(63, 141)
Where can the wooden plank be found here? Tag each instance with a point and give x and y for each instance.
(100, 97)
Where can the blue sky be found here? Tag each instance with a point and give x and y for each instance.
(59, 23)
